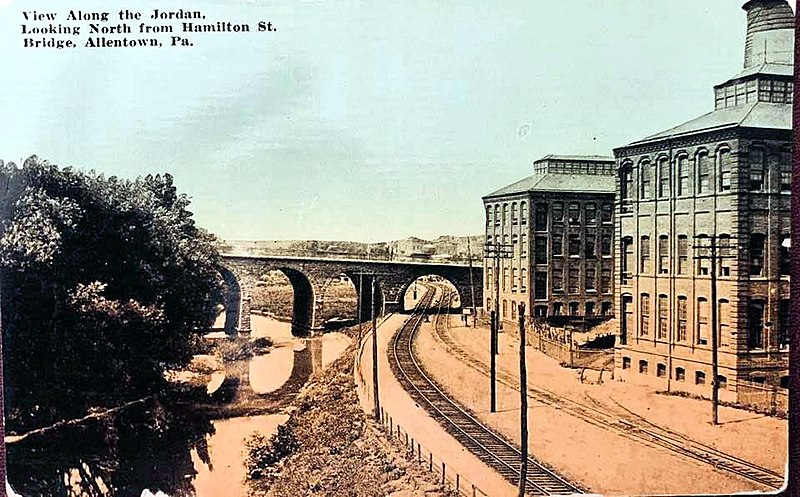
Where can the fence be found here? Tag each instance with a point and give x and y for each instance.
(772, 399)
(557, 344)
(414, 449)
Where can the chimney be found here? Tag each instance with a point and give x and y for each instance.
(770, 32)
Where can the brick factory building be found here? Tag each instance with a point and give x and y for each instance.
(557, 226)
(722, 178)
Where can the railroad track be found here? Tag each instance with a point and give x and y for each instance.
(624, 422)
(463, 426)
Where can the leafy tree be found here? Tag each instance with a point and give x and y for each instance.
(106, 283)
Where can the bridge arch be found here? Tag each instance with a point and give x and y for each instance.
(303, 303)
(406, 306)
(363, 281)
(232, 293)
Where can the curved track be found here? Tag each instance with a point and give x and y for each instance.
(624, 422)
(475, 436)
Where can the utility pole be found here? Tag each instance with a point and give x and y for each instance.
(713, 257)
(523, 402)
(360, 316)
(472, 286)
(497, 251)
(375, 354)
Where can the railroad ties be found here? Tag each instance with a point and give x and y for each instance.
(487, 445)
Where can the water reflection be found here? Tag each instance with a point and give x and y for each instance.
(148, 445)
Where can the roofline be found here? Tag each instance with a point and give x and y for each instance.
(726, 127)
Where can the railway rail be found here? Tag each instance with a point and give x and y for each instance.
(487, 445)
(623, 422)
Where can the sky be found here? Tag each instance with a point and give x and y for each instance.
(363, 120)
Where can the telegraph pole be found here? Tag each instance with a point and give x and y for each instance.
(713, 257)
(472, 286)
(523, 401)
(375, 354)
(497, 251)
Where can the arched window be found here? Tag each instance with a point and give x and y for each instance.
(755, 324)
(625, 184)
(702, 321)
(644, 179)
(488, 216)
(644, 254)
(505, 213)
(663, 313)
(682, 318)
(723, 320)
(514, 219)
(757, 254)
(724, 168)
(683, 254)
(523, 213)
(626, 249)
(724, 254)
(663, 254)
(663, 177)
(786, 170)
(497, 215)
(703, 173)
(703, 255)
(683, 176)
(785, 261)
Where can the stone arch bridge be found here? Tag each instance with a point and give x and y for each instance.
(310, 278)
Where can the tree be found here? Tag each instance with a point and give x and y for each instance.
(107, 283)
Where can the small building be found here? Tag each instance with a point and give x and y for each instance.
(722, 179)
(554, 231)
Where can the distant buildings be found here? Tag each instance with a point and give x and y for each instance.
(555, 229)
(722, 178)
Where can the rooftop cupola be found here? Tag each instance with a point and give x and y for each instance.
(770, 33)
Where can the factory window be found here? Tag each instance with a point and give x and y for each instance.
(573, 308)
(589, 309)
(589, 246)
(558, 278)
(591, 213)
(703, 255)
(644, 314)
(627, 259)
(513, 310)
(497, 215)
(643, 366)
(540, 311)
(605, 280)
(680, 374)
(644, 251)
(540, 250)
(540, 222)
(488, 277)
(505, 308)
(605, 308)
(683, 175)
(722, 382)
(755, 324)
(572, 280)
(505, 278)
(589, 278)
(663, 177)
(605, 245)
(558, 211)
(757, 254)
(699, 378)
(574, 213)
(523, 245)
(682, 317)
(724, 159)
(558, 244)
(627, 324)
(574, 244)
(723, 320)
(606, 213)
(663, 313)
(786, 171)
(514, 279)
(523, 213)
(514, 219)
(505, 214)
(724, 254)
(784, 255)
(540, 285)
(784, 332)
(702, 321)
(625, 183)
(663, 254)
(757, 167)
(644, 179)
(523, 280)
(683, 254)
(626, 363)
(488, 216)
(557, 309)
(661, 370)
(703, 173)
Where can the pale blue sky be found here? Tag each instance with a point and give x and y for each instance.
(365, 120)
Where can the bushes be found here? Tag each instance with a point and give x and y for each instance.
(264, 453)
